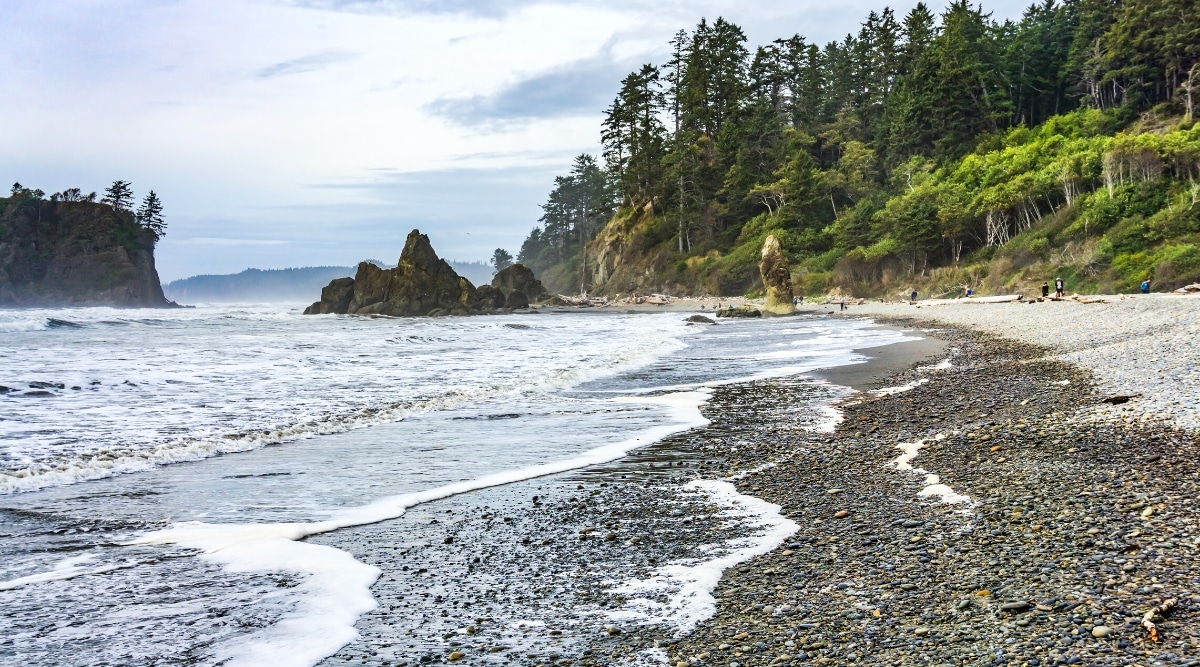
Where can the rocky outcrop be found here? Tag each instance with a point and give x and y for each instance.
(490, 297)
(743, 311)
(424, 284)
(57, 253)
(519, 286)
(777, 279)
(421, 284)
(335, 298)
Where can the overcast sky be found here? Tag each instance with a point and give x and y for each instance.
(320, 132)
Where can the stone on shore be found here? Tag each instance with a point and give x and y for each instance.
(742, 311)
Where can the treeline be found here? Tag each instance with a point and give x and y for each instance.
(119, 196)
(906, 141)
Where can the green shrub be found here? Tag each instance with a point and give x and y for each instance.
(1129, 236)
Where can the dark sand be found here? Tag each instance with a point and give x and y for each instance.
(885, 361)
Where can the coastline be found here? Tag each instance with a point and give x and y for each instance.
(998, 513)
(993, 510)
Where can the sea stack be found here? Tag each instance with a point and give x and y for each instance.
(424, 284)
(75, 253)
(777, 279)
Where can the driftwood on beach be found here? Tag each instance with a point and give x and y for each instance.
(1007, 298)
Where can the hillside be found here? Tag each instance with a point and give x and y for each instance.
(928, 152)
(77, 253)
(283, 285)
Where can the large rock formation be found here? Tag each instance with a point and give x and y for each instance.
(777, 279)
(424, 284)
(57, 253)
(421, 284)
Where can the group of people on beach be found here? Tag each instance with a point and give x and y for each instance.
(1060, 289)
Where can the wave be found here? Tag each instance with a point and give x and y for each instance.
(336, 588)
(115, 460)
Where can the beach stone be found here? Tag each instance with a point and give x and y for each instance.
(1019, 605)
(841, 514)
(457, 655)
(1101, 631)
(921, 632)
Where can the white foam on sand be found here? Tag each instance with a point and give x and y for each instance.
(943, 365)
(68, 568)
(689, 585)
(336, 588)
(933, 484)
(888, 391)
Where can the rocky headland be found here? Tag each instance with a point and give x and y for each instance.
(75, 253)
(424, 284)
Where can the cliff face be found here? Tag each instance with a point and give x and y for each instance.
(75, 253)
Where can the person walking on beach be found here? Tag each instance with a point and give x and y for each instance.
(1146, 286)
(1059, 288)
(1045, 289)
(914, 295)
(843, 303)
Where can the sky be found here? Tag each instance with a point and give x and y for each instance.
(286, 133)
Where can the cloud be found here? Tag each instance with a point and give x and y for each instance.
(216, 241)
(488, 8)
(310, 63)
(583, 87)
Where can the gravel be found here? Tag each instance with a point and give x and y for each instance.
(1134, 345)
(1077, 520)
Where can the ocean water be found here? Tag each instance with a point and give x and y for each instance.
(173, 484)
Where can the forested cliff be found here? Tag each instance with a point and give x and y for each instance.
(69, 249)
(926, 150)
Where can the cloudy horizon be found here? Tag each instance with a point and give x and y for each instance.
(321, 132)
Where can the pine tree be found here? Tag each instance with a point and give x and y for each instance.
(119, 195)
(149, 215)
(501, 259)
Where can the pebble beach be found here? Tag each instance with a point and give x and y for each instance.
(1028, 500)
(1019, 488)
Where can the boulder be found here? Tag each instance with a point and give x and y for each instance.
(335, 298)
(421, 284)
(489, 297)
(777, 279)
(518, 278)
(743, 311)
(516, 299)
(699, 319)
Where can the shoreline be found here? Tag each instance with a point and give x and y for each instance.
(1067, 522)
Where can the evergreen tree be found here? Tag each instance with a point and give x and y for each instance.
(501, 259)
(149, 215)
(119, 195)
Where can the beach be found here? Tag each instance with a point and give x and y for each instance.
(1007, 504)
(957, 497)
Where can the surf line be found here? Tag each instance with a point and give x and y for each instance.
(336, 587)
(933, 483)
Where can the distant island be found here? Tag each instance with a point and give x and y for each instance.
(285, 285)
(68, 249)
